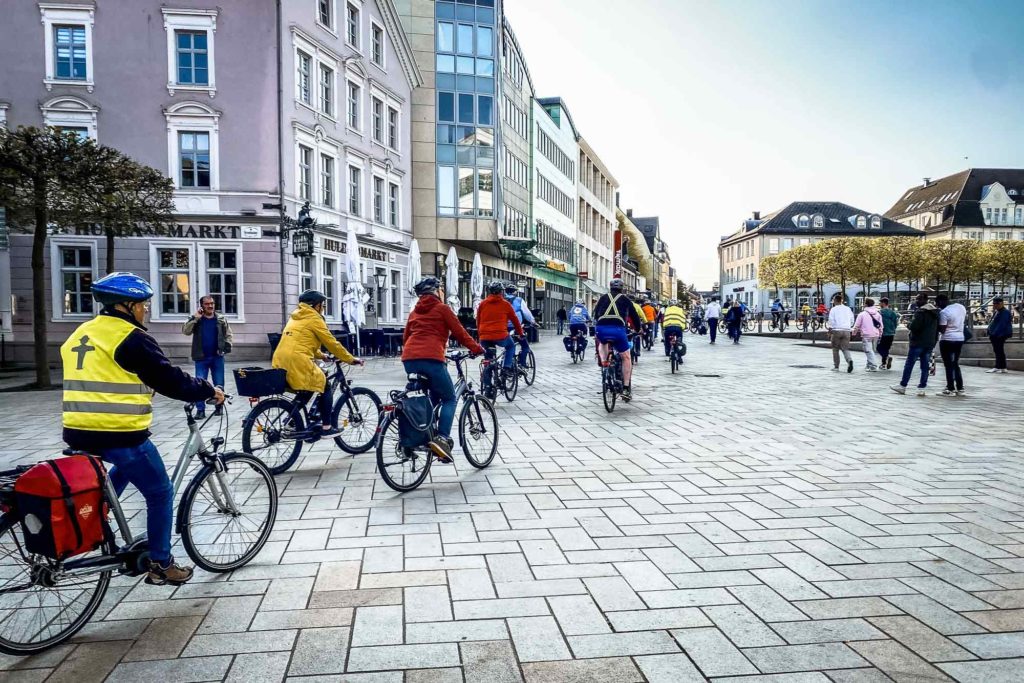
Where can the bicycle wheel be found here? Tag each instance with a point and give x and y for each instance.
(358, 415)
(530, 369)
(478, 431)
(402, 469)
(675, 361)
(509, 382)
(608, 394)
(264, 429)
(40, 608)
(226, 513)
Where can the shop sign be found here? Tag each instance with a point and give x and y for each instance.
(186, 230)
(617, 256)
(365, 252)
(555, 265)
(583, 274)
(538, 285)
(252, 232)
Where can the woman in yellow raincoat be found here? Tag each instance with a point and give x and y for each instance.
(300, 344)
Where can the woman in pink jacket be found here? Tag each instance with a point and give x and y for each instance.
(869, 326)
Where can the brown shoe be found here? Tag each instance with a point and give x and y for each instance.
(442, 448)
(172, 575)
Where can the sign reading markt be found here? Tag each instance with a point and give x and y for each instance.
(223, 232)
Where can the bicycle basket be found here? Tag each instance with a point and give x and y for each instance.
(415, 414)
(260, 381)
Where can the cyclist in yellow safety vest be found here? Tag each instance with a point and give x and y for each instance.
(111, 369)
(673, 322)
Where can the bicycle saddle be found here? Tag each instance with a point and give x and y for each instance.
(417, 380)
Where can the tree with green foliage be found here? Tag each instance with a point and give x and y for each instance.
(53, 181)
(950, 262)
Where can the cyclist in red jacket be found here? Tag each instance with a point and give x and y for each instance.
(493, 319)
(423, 352)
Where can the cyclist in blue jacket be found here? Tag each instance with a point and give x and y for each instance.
(524, 315)
(579, 318)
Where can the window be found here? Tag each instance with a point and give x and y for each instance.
(819, 220)
(446, 106)
(353, 105)
(484, 41)
(876, 222)
(304, 66)
(396, 295)
(352, 25)
(1019, 216)
(327, 90)
(190, 49)
(1002, 217)
(803, 221)
(377, 44)
(393, 204)
(194, 158)
(773, 245)
(305, 273)
(174, 270)
(378, 199)
(329, 269)
(446, 190)
(305, 173)
(557, 199)
(464, 36)
(69, 53)
(553, 153)
(354, 183)
(378, 120)
(222, 279)
(73, 280)
(392, 128)
(71, 114)
(1002, 235)
(325, 13)
(67, 34)
(862, 222)
(193, 64)
(327, 180)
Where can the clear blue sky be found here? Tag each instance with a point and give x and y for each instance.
(708, 110)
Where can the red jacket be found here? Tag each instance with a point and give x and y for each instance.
(426, 333)
(493, 317)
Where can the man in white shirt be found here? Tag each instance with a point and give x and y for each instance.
(840, 321)
(952, 317)
(714, 312)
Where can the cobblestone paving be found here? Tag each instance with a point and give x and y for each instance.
(745, 520)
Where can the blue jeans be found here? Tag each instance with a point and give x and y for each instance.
(713, 328)
(210, 366)
(671, 330)
(441, 390)
(489, 346)
(915, 354)
(141, 466)
(524, 348)
(561, 326)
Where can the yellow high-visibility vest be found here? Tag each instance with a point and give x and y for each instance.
(674, 316)
(100, 395)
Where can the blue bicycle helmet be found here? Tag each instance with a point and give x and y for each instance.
(118, 288)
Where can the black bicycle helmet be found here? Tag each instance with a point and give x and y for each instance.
(617, 284)
(312, 297)
(427, 285)
(496, 287)
(119, 288)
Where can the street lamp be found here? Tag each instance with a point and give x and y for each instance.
(381, 278)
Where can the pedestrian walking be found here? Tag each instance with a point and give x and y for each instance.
(890, 319)
(999, 330)
(869, 326)
(734, 322)
(924, 332)
(714, 312)
(840, 320)
(561, 316)
(952, 319)
(211, 341)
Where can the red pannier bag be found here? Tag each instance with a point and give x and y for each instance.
(61, 506)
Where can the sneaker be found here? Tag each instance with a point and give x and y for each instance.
(871, 368)
(201, 415)
(961, 392)
(1003, 371)
(442, 447)
(835, 369)
(627, 394)
(899, 389)
(946, 392)
(172, 574)
(993, 371)
(328, 430)
(849, 366)
(219, 411)
(888, 363)
(922, 392)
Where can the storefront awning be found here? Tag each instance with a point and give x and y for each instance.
(556, 277)
(594, 288)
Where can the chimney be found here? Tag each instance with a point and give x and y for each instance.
(629, 213)
(927, 182)
(757, 215)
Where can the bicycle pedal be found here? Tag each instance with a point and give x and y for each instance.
(163, 582)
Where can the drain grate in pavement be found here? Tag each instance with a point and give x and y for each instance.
(808, 367)
(707, 375)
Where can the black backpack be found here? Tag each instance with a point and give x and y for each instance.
(415, 414)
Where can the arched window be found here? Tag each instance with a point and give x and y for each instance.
(876, 222)
(819, 220)
(804, 221)
(862, 222)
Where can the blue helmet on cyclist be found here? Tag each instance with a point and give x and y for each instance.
(120, 288)
(617, 284)
(496, 287)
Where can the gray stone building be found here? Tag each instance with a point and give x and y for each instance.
(193, 90)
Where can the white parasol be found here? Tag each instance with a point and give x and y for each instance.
(476, 282)
(415, 269)
(451, 282)
(353, 302)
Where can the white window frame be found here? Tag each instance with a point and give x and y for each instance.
(201, 271)
(358, 45)
(190, 20)
(378, 98)
(312, 79)
(360, 121)
(57, 313)
(383, 199)
(313, 171)
(336, 290)
(187, 117)
(383, 64)
(332, 101)
(155, 313)
(360, 190)
(60, 14)
(397, 225)
(311, 273)
(331, 28)
(391, 106)
(321, 156)
(65, 111)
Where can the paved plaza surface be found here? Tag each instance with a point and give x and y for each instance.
(756, 517)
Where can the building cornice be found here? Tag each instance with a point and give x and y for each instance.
(393, 25)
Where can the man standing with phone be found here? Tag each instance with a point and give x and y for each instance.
(211, 341)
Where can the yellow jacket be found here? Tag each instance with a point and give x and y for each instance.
(300, 344)
(674, 315)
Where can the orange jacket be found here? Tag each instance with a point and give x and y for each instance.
(650, 312)
(493, 317)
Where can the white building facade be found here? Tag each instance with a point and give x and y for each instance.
(595, 224)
